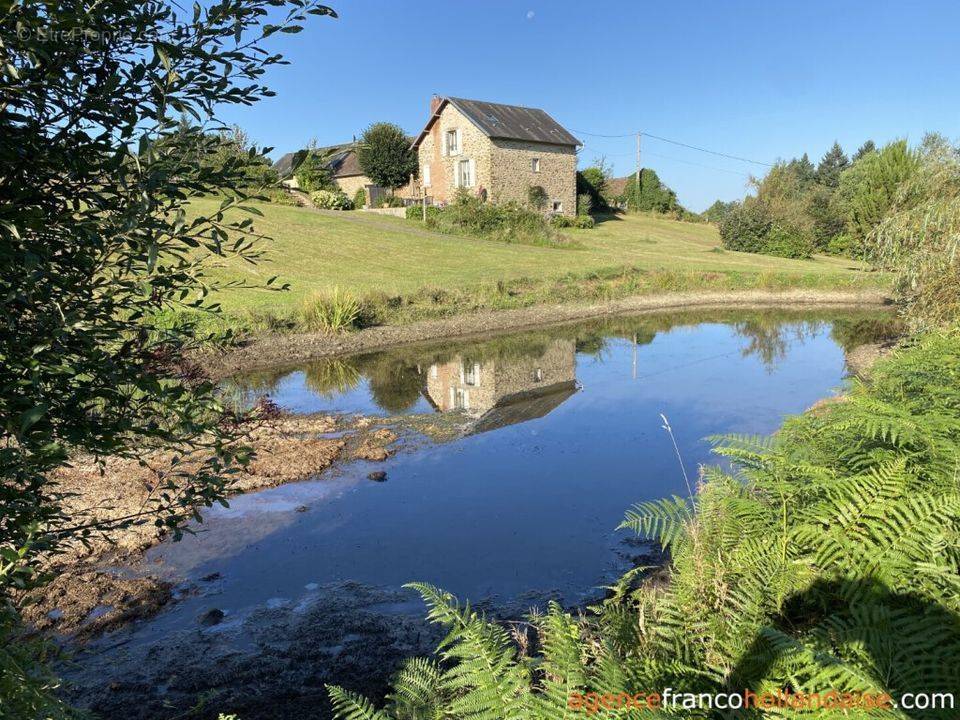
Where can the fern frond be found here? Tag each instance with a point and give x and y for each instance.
(352, 706)
(663, 520)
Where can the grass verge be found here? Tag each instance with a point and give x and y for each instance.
(400, 272)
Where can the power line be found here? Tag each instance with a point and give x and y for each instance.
(708, 167)
(712, 152)
(581, 132)
(631, 154)
(681, 144)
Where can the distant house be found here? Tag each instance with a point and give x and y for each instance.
(343, 166)
(499, 151)
(616, 189)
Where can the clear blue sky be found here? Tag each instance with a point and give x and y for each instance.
(760, 79)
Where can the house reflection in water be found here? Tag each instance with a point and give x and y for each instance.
(505, 390)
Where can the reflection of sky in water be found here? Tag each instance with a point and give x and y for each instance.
(532, 502)
(292, 394)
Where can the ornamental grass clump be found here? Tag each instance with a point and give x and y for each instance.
(333, 311)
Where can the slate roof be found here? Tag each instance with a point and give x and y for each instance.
(524, 406)
(343, 161)
(507, 122)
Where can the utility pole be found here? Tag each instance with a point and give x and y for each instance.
(637, 188)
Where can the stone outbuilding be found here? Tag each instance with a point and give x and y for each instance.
(498, 152)
(342, 164)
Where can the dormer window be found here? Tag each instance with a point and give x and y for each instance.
(453, 142)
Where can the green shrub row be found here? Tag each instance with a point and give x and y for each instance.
(506, 222)
(582, 222)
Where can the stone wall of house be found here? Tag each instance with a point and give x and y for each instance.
(351, 184)
(526, 374)
(474, 145)
(474, 380)
(513, 174)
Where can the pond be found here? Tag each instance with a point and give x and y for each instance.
(549, 436)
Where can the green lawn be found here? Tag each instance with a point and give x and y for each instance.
(363, 252)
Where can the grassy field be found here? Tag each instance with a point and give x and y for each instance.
(429, 274)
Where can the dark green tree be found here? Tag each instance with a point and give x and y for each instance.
(591, 182)
(865, 149)
(803, 169)
(868, 189)
(96, 241)
(718, 211)
(826, 215)
(385, 155)
(831, 165)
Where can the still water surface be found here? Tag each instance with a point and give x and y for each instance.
(558, 433)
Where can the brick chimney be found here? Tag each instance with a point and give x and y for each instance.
(435, 103)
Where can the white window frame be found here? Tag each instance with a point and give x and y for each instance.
(471, 174)
(535, 164)
(459, 399)
(457, 147)
(470, 374)
(426, 174)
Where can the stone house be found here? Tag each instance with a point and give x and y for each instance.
(496, 151)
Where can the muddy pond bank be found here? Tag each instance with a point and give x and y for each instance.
(515, 460)
(86, 597)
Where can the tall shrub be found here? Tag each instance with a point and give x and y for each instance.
(745, 226)
(919, 240)
(868, 188)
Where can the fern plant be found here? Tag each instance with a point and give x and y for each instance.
(828, 558)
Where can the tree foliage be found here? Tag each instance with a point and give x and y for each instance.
(919, 238)
(233, 145)
(385, 155)
(314, 172)
(719, 210)
(652, 195)
(830, 208)
(868, 147)
(96, 243)
(593, 181)
(831, 165)
(868, 189)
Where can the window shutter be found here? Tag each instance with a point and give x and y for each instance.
(456, 174)
(472, 172)
(459, 143)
